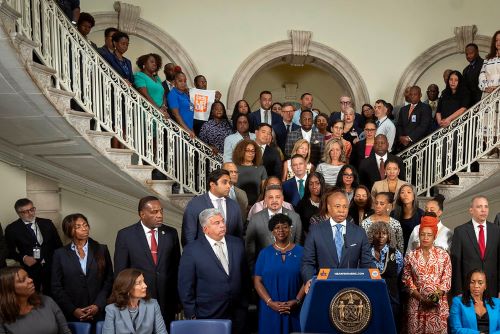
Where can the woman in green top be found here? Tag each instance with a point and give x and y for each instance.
(148, 83)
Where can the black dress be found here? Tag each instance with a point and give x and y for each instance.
(483, 323)
(306, 210)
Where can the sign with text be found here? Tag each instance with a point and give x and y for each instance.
(201, 100)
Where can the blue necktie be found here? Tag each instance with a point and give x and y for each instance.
(29, 226)
(339, 240)
(301, 188)
(377, 123)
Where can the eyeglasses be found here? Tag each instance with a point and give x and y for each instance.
(345, 102)
(234, 171)
(32, 210)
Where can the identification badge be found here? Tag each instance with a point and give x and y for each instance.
(413, 118)
(37, 253)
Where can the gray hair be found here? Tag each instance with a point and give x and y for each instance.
(206, 214)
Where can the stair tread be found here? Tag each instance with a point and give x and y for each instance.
(167, 182)
(470, 174)
(99, 133)
(119, 150)
(79, 113)
(60, 91)
(450, 186)
(145, 167)
(42, 67)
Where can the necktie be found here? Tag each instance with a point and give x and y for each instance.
(301, 188)
(220, 208)
(30, 228)
(288, 128)
(381, 169)
(268, 116)
(232, 194)
(482, 244)
(412, 107)
(154, 247)
(222, 258)
(339, 240)
(377, 123)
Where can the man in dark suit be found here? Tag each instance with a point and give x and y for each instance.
(271, 159)
(236, 193)
(344, 102)
(219, 183)
(153, 248)
(213, 277)
(414, 121)
(294, 188)
(31, 241)
(335, 243)
(471, 72)
(306, 131)
(264, 114)
(476, 245)
(258, 236)
(372, 168)
(287, 113)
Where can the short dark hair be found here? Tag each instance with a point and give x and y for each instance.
(215, 175)
(297, 156)
(274, 187)
(439, 199)
(306, 110)
(119, 35)
(265, 92)
(287, 104)
(304, 95)
(86, 17)
(474, 45)
(390, 161)
(109, 30)
(279, 218)
(143, 59)
(261, 125)
(383, 102)
(198, 77)
(124, 282)
(388, 195)
(145, 200)
(22, 202)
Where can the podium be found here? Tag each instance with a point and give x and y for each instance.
(347, 301)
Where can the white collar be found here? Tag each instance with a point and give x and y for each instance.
(476, 224)
(215, 198)
(270, 213)
(147, 229)
(377, 157)
(334, 223)
(304, 178)
(212, 241)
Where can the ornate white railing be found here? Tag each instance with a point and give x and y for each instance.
(117, 107)
(454, 148)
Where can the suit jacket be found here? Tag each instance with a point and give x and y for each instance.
(191, 228)
(497, 219)
(259, 237)
(255, 120)
(3, 249)
(242, 199)
(282, 134)
(358, 153)
(149, 319)
(317, 145)
(132, 251)
(206, 291)
(417, 126)
(471, 79)
(336, 115)
(272, 161)
(72, 288)
(368, 169)
(465, 256)
(463, 318)
(383, 186)
(291, 192)
(113, 61)
(320, 251)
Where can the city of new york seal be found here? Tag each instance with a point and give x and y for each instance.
(350, 311)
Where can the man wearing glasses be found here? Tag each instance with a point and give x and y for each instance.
(31, 241)
(345, 102)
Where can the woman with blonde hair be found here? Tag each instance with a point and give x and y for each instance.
(334, 158)
(303, 148)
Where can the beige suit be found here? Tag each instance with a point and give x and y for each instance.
(383, 186)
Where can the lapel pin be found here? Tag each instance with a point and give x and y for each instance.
(163, 232)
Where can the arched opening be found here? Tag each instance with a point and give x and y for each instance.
(321, 60)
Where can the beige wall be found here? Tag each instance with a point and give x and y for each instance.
(13, 181)
(380, 38)
(325, 89)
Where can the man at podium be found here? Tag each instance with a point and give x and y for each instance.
(335, 243)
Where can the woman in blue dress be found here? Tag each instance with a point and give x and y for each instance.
(278, 281)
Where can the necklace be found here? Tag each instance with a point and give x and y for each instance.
(282, 248)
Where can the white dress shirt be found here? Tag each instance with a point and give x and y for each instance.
(387, 128)
(377, 157)
(263, 116)
(224, 246)
(476, 230)
(334, 224)
(306, 134)
(36, 229)
(270, 213)
(304, 178)
(148, 235)
(214, 199)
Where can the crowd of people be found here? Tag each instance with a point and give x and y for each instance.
(296, 187)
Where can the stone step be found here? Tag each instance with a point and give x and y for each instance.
(162, 187)
(100, 140)
(121, 157)
(141, 173)
(25, 47)
(61, 99)
(80, 120)
(181, 200)
(41, 74)
(450, 191)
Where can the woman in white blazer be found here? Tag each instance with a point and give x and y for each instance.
(131, 310)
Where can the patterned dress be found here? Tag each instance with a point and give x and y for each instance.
(213, 133)
(396, 232)
(426, 277)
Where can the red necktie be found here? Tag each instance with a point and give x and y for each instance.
(482, 244)
(154, 247)
(381, 169)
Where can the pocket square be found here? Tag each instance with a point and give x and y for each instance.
(352, 245)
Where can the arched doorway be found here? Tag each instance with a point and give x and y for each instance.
(319, 56)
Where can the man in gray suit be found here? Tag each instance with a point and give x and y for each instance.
(306, 132)
(258, 235)
(235, 193)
